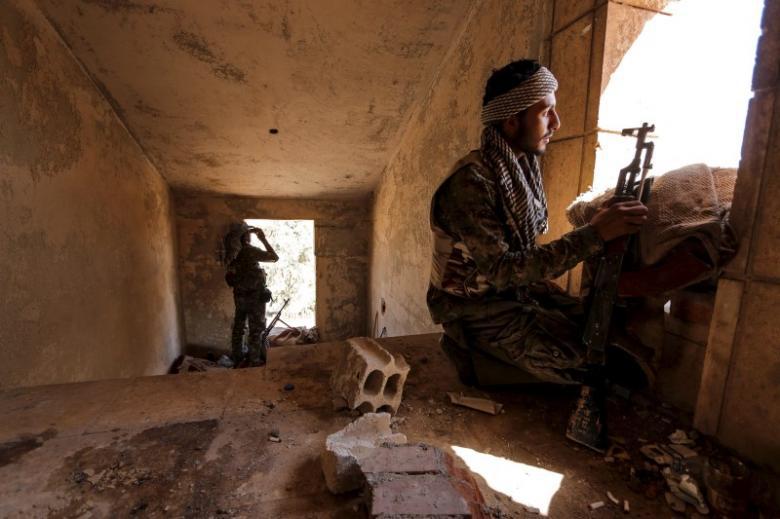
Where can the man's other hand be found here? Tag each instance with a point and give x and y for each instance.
(618, 217)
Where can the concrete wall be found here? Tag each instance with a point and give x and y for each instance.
(444, 127)
(740, 388)
(341, 234)
(87, 266)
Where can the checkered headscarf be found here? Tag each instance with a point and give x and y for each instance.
(519, 177)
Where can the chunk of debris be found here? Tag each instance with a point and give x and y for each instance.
(675, 503)
(289, 387)
(346, 447)
(613, 498)
(188, 364)
(655, 453)
(369, 378)
(225, 361)
(626, 506)
(472, 402)
(419, 481)
(596, 505)
(683, 451)
(274, 437)
(679, 437)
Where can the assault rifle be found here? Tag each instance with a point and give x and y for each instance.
(587, 424)
(264, 342)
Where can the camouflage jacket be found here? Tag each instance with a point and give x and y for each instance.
(244, 273)
(476, 259)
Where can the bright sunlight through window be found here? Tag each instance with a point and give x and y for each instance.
(689, 73)
(524, 484)
(293, 277)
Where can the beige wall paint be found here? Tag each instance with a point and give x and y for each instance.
(444, 127)
(201, 82)
(341, 234)
(740, 388)
(87, 266)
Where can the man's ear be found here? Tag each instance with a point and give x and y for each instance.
(510, 126)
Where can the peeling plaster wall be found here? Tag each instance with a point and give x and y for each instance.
(87, 266)
(445, 127)
(341, 234)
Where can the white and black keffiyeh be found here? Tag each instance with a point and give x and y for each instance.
(520, 181)
(529, 92)
(519, 177)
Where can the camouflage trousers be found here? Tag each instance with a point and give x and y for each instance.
(541, 335)
(249, 307)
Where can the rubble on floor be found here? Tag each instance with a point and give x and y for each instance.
(480, 404)
(189, 364)
(345, 448)
(369, 378)
(398, 479)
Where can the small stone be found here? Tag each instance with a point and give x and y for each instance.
(289, 387)
(439, 411)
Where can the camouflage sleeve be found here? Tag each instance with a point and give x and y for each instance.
(468, 207)
(264, 256)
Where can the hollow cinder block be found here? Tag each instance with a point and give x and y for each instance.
(369, 378)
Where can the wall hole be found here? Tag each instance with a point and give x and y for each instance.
(374, 382)
(392, 386)
(365, 407)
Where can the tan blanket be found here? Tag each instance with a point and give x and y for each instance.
(690, 202)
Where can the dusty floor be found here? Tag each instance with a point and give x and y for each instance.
(196, 445)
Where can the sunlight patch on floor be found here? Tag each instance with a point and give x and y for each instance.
(525, 484)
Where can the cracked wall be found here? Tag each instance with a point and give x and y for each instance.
(444, 127)
(341, 235)
(87, 263)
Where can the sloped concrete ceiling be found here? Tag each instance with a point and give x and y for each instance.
(201, 84)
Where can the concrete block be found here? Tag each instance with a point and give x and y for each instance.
(404, 459)
(561, 171)
(766, 73)
(750, 415)
(418, 481)
(652, 5)
(717, 358)
(570, 62)
(369, 378)
(566, 11)
(693, 307)
(751, 168)
(679, 375)
(423, 495)
(624, 25)
(345, 448)
(766, 231)
(597, 82)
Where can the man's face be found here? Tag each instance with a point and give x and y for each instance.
(531, 130)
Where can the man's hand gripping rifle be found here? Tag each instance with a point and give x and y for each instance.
(587, 424)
